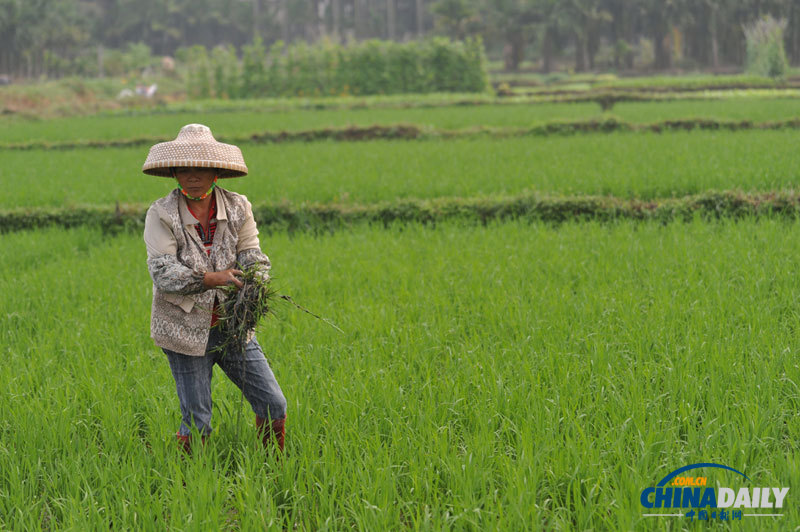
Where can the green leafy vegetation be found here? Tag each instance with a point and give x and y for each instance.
(683, 82)
(96, 37)
(765, 52)
(551, 374)
(369, 67)
(606, 124)
(625, 165)
(557, 319)
(243, 309)
(324, 217)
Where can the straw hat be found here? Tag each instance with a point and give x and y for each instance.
(195, 146)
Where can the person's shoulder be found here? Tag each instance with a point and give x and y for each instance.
(237, 206)
(232, 196)
(162, 206)
(234, 201)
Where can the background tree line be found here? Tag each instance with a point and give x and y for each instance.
(55, 37)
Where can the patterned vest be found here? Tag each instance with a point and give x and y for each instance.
(180, 322)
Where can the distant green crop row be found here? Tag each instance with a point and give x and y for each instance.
(701, 81)
(239, 122)
(624, 165)
(607, 99)
(51, 100)
(314, 217)
(648, 86)
(550, 375)
(236, 124)
(608, 124)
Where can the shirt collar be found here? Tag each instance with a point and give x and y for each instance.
(188, 219)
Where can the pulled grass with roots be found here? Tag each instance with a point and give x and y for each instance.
(242, 311)
(238, 314)
(244, 308)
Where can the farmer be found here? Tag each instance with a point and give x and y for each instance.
(196, 237)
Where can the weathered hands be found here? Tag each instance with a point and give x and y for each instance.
(222, 278)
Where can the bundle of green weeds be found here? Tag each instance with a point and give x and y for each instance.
(244, 308)
(240, 312)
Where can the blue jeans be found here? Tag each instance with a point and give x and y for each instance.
(250, 373)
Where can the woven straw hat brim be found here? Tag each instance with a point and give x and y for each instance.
(195, 147)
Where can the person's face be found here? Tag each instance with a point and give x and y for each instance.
(195, 181)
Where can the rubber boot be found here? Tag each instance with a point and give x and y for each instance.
(185, 442)
(271, 431)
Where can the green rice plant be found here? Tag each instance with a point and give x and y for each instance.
(648, 85)
(99, 95)
(624, 165)
(607, 124)
(549, 373)
(242, 123)
(607, 99)
(239, 315)
(683, 82)
(756, 110)
(691, 82)
(323, 218)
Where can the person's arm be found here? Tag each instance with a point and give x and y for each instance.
(167, 272)
(248, 249)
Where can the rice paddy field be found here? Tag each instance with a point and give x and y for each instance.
(646, 166)
(507, 375)
(271, 117)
